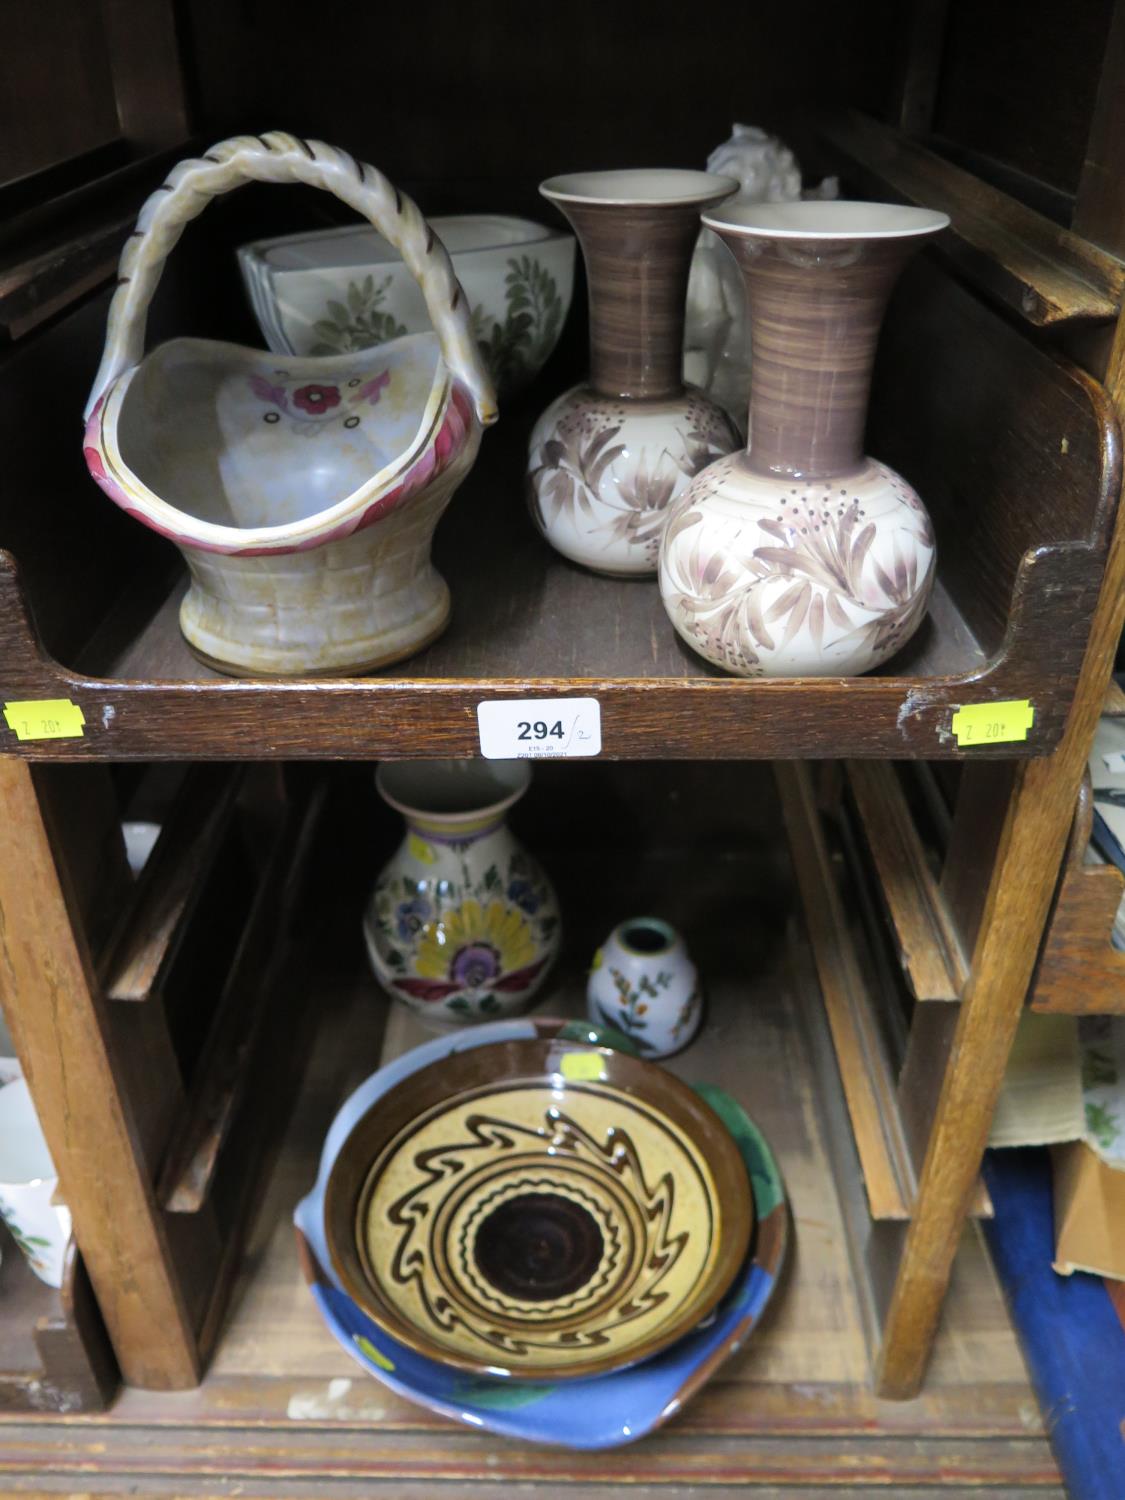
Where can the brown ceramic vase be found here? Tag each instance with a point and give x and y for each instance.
(800, 557)
(609, 457)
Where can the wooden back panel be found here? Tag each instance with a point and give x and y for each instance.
(1006, 442)
(75, 552)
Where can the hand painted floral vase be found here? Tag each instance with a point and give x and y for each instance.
(643, 983)
(302, 492)
(607, 458)
(462, 925)
(801, 557)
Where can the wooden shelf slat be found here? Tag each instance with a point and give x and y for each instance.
(866, 1071)
(929, 948)
(171, 883)
(1047, 274)
(864, 1068)
(225, 1064)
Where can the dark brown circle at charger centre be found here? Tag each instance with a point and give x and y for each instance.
(538, 1247)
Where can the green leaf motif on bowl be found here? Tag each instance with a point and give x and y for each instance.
(513, 348)
(361, 323)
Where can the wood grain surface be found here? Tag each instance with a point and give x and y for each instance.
(1037, 822)
(929, 948)
(60, 1023)
(1044, 273)
(865, 1070)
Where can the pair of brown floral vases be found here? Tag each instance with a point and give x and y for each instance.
(798, 555)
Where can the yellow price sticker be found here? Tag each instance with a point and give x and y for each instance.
(582, 1066)
(45, 719)
(993, 723)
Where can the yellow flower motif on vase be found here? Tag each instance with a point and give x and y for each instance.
(474, 945)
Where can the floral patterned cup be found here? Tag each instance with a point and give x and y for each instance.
(643, 983)
(462, 925)
(27, 1186)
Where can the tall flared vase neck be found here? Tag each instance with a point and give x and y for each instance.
(637, 231)
(816, 306)
(637, 263)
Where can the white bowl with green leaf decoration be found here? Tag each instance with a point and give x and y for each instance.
(335, 291)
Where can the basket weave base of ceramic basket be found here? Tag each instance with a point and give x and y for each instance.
(345, 607)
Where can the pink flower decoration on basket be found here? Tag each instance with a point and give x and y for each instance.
(374, 389)
(316, 399)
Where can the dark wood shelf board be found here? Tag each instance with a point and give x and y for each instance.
(1047, 274)
(682, 716)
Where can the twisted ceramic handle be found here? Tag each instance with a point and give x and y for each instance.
(277, 157)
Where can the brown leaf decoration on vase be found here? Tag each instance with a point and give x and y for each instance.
(572, 468)
(831, 567)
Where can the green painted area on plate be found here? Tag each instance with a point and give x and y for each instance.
(501, 1395)
(764, 1176)
(598, 1036)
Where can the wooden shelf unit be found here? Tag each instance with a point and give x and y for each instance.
(861, 999)
(282, 1403)
(1047, 275)
(1016, 450)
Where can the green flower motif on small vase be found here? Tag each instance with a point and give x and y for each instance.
(1098, 1069)
(633, 1002)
